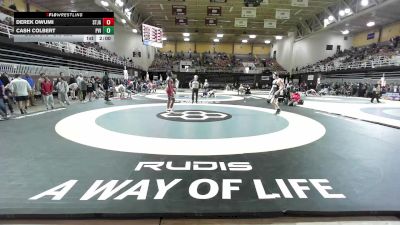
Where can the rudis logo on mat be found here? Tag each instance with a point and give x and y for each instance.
(202, 188)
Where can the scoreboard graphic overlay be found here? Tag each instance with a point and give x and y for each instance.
(63, 26)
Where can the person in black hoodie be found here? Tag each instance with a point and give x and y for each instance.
(106, 85)
(4, 79)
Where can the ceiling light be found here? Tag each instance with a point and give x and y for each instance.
(278, 37)
(186, 39)
(370, 24)
(347, 10)
(104, 3)
(123, 21)
(161, 7)
(127, 10)
(342, 13)
(345, 32)
(216, 40)
(164, 38)
(134, 31)
(186, 34)
(120, 3)
(331, 18)
(231, 9)
(267, 41)
(252, 36)
(220, 35)
(364, 3)
(244, 41)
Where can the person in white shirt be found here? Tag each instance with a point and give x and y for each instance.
(195, 88)
(79, 80)
(206, 85)
(21, 88)
(63, 88)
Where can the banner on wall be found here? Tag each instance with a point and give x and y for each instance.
(264, 77)
(211, 22)
(269, 23)
(282, 14)
(179, 10)
(249, 12)
(370, 36)
(300, 3)
(214, 11)
(186, 66)
(181, 21)
(240, 22)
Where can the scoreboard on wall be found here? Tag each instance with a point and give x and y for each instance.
(63, 26)
(152, 36)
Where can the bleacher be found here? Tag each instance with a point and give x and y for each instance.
(374, 56)
(216, 62)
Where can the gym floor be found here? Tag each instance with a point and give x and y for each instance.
(228, 156)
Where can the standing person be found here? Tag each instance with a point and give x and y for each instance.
(84, 88)
(78, 81)
(3, 110)
(106, 85)
(277, 89)
(73, 86)
(4, 79)
(195, 88)
(376, 92)
(63, 88)
(171, 91)
(90, 88)
(38, 85)
(20, 88)
(206, 85)
(32, 91)
(47, 93)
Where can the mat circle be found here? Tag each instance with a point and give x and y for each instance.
(77, 127)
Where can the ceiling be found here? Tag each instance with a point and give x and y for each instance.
(153, 14)
(196, 11)
(381, 16)
(159, 13)
(69, 5)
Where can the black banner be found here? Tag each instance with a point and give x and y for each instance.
(181, 21)
(179, 10)
(211, 22)
(214, 11)
(58, 30)
(63, 15)
(58, 22)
